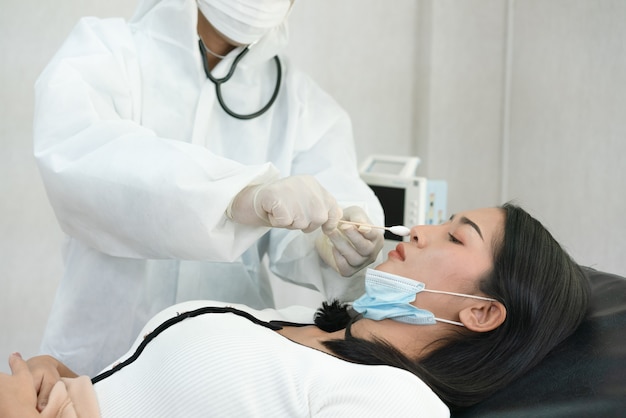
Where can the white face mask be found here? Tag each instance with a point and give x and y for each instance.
(388, 296)
(245, 21)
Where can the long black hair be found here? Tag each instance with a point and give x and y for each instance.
(546, 295)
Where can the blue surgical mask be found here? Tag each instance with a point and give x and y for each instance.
(388, 296)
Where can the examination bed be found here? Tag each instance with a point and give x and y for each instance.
(584, 377)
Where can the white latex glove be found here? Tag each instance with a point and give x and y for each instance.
(349, 248)
(296, 202)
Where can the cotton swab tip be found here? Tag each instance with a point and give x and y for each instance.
(399, 230)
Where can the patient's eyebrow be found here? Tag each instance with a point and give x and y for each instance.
(467, 221)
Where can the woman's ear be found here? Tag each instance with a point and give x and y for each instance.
(483, 316)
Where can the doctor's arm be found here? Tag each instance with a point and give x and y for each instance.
(116, 185)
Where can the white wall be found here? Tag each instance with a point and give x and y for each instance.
(30, 261)
(503, 99)
(363, 53)
(567, 130)
(525, 100)
(460, 98)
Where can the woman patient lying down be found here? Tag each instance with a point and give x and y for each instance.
(451, 316)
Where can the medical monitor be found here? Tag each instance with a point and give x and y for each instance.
(406, 199)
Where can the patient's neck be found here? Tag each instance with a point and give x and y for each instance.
(311, 336)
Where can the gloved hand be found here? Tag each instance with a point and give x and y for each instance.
(349, 248)
(296, 202)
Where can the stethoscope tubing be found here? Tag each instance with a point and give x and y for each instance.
(219, 81)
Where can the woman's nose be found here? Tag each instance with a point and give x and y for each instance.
(418, 237)
(423, 234)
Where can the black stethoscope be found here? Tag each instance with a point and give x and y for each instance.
(219, 81)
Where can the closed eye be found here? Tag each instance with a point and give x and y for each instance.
(453, 239)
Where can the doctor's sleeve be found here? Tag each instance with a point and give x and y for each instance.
(116, 185)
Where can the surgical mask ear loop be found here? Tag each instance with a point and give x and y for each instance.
(219, 81)
(448, 321)
(442, 292)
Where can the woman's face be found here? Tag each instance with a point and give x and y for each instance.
(451, 257)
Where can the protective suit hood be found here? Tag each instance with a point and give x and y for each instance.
(149, 13)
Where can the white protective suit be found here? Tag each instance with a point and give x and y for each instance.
(140, 162)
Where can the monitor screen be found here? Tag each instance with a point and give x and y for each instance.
(392, 201)
(386, 167)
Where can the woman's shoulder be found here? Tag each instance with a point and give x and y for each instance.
(299, 314)
(327, 384)
(374, 390)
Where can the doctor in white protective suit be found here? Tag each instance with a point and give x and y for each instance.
(165, 196)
